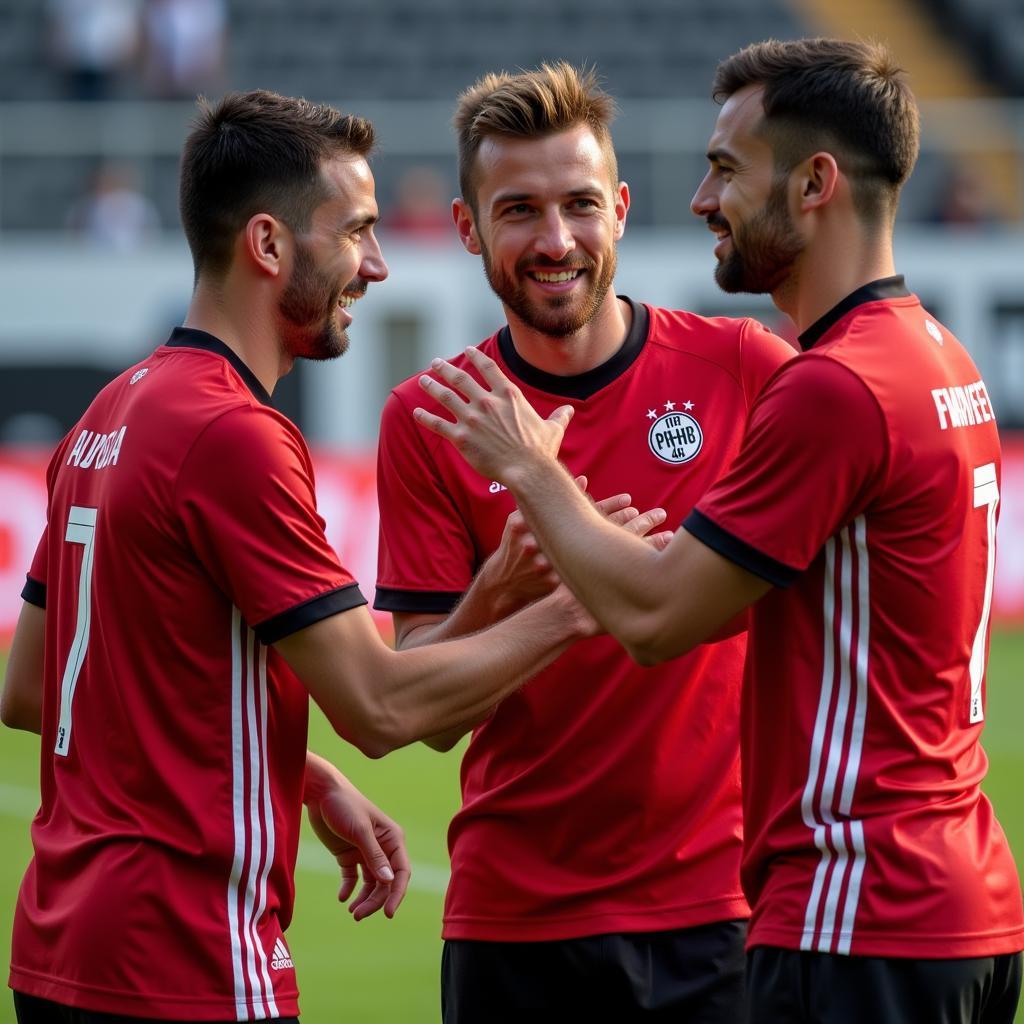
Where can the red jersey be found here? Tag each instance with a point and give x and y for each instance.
(867, 489)
(182, 538)
(602, 797)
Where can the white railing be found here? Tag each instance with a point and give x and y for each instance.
(668, 135)
(62, 302)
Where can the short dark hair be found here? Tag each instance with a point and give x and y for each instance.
(848, 97)
(258, 152)
(532, 104)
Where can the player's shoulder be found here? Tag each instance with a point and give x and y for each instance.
(817, 384)
(723, 339)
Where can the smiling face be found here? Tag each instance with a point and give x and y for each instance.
(548, 218)
(335, 259)
(745, 201)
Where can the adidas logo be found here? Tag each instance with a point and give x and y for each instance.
(282, 958)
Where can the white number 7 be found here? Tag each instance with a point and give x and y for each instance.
(81, 530)
(986, 495)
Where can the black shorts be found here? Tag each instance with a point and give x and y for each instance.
(692, 975)
(31, 1010)
(789, 987)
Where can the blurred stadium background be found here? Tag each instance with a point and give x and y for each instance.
(95, 100)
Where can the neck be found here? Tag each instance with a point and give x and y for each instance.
(593, 344)
(244, 326)
(833, 265)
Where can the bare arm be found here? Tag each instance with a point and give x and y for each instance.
(380, 699)
(657, 603)
(21, 706)
(516, 573)
(359, 835)
(416, 630)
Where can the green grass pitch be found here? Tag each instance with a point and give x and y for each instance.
(385, 972)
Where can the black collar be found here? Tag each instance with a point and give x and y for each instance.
(189, 337)
(581, 385)
(883, 288)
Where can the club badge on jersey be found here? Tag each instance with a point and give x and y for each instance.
(674, 435)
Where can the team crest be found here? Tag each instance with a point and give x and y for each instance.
(674, 435)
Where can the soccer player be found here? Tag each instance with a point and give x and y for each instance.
(859, 521)
(595, 859)
(184, 604)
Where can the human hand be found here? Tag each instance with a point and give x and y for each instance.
(640, 524)
(495, 429)
(520, 571)
(362, 838)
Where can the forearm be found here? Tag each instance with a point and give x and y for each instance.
(321, 776)
(657, 603)
(21, 703)
(484, 603)
(614, 573)
(453, 684)
(380, 699)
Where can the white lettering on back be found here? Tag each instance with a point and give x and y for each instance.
(76, 452)
(97, 450)
(962, 405)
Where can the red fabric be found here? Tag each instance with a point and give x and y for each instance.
(867, 832)
(166, 841)
(602, 797)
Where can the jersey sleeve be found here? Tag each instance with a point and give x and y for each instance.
(426, 557)
(814, 453)
(246, 498)
(761, 355)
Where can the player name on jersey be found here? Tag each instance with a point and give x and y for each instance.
(963, 406)
(96, 451)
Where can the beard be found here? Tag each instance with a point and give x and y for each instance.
(764, 249)
(559, 315)
(308, 309)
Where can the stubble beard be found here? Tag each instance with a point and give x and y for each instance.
(308, 309)
(560, 315)
(763, 250)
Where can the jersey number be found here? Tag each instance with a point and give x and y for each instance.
(986, 496)
(81, 530)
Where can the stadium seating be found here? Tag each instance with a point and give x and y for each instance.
(993, 30)
(357, 51)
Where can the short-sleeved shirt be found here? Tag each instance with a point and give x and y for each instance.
(182, 539)
(867, 489)
(602, 797)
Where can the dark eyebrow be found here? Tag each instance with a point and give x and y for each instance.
(716, 156)
(360, 220)
(510, 197)
(521, 197)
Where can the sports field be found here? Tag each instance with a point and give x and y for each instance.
(386, 971)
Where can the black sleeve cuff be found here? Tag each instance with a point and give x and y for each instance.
(34, 592)
(325, 605)
(746, 557)
(424, 602)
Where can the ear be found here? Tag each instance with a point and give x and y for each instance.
(621, 209)
(817, 179)
(265, 242)
(465, 225)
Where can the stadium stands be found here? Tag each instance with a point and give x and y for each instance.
(364, 51)
(993, 31)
